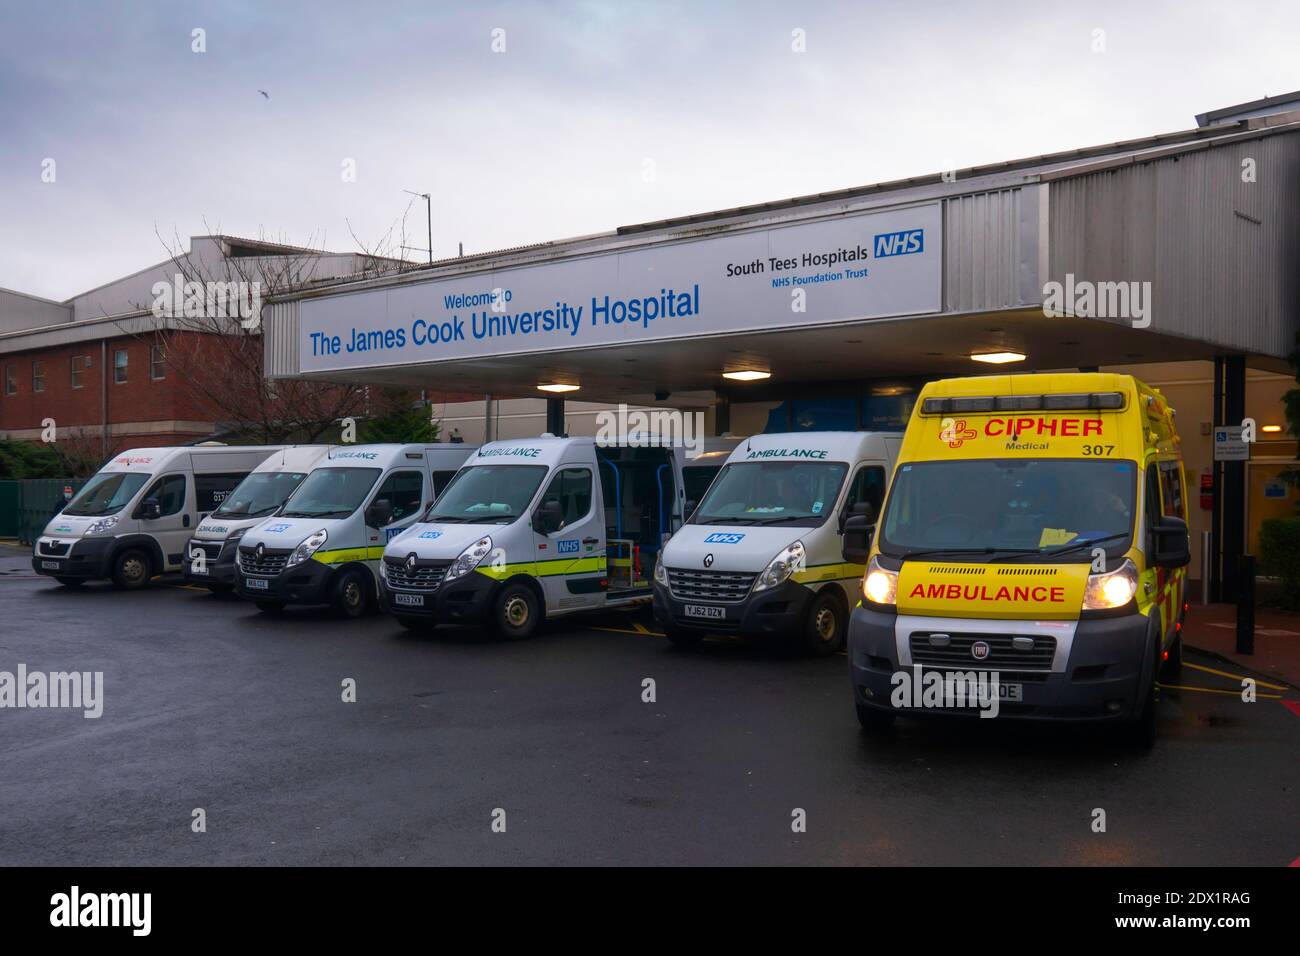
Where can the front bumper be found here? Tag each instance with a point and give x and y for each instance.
(466, 600)
(86, 558)
(218, 562)
(773, 612)
(1104, 679)
(308, 583)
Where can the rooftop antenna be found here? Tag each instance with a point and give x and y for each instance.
(428, 213)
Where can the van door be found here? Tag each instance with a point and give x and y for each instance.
(570, 560)
(404, 491)
(171, 529)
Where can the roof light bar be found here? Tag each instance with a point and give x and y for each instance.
(1081, 401)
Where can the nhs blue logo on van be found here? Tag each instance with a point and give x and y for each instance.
(724, 537)
(902, 243)
(568, 546)
(430, 535)
(276, 528)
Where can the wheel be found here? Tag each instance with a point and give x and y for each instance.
(71, 582)
(270, 607)
(825, 624)
(683, 637)
(874, 721)
(1173, 666)
(131, 569)
(515, 612)
(351, 597)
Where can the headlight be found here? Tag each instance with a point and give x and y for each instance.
(781, 567)
(1111, 589)
(383, 568)
(102, 525)
(469, 558)
(879, 584)
(661, 570)
(307, 548)
(236, 535)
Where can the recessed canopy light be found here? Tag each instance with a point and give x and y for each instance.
(998, 358)
(557, 387)
(1271, 428)
(747, 375)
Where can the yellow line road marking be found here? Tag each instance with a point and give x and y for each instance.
(641, 628)
(1211, 670)
(619, 630)
(1209, 690)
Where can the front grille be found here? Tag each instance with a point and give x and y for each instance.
(956, 654)
(56, 549)
(424, 577)
(211, 549)
(724, 586)
(271, 563)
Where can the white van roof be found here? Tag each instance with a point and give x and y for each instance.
(149, 460)
(294, 458)
(814, 446)
(546, 450)
(387, 455)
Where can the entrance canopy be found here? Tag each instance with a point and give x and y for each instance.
(1174, 247)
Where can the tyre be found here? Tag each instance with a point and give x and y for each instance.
(132, 569)
(351, 597)
(825, 624)
(683, 637)
(71, 582)
(1140, 732)
(516, 612)
(270, 607)
(875, 721)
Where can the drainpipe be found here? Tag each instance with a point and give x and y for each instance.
(103, 397)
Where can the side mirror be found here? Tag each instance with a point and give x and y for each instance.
(1171, 543)
(380, 513)
(859, 529)
(549, 518)
(150, 509)
(864, 508)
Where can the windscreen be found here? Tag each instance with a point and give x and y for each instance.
(488, 494)
(798, 493)
(331, 492)
(106, 493)
(260, 494)
(1024, 507)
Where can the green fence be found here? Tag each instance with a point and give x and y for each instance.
(37, 499)
(9, 508)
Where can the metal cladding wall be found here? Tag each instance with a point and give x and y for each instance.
(991, 250)
(280, 338)
(1221, 254)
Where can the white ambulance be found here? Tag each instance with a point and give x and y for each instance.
(324, 545)
(762, 553)
(210, 554)
(535, 528)
(132, 519)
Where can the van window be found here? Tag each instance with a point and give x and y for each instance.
(571, 487)
(210, 491)
(260, 494)
(796, 493)
(331, 493)
(992, 507)
(1171, 488)
(868, 485)
(170, 492)
(404, 491)
(440, 481)
(486, 494)
(106, 494)
(696, 479)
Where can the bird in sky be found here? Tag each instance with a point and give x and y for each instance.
(265, 94)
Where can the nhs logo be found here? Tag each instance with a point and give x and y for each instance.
(720, 537)
(898, 243)
(429, 535)
(276, 528)
(568, 546)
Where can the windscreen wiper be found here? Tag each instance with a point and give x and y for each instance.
(780, 518)
(928, 552)
(1065, 548)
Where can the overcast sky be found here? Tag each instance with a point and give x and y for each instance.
(596, 114)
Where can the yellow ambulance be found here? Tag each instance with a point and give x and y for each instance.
(1032, 545)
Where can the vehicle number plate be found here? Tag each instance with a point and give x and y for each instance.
(410, 600)
(50, 565)
(256, 584)
(704, 610)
